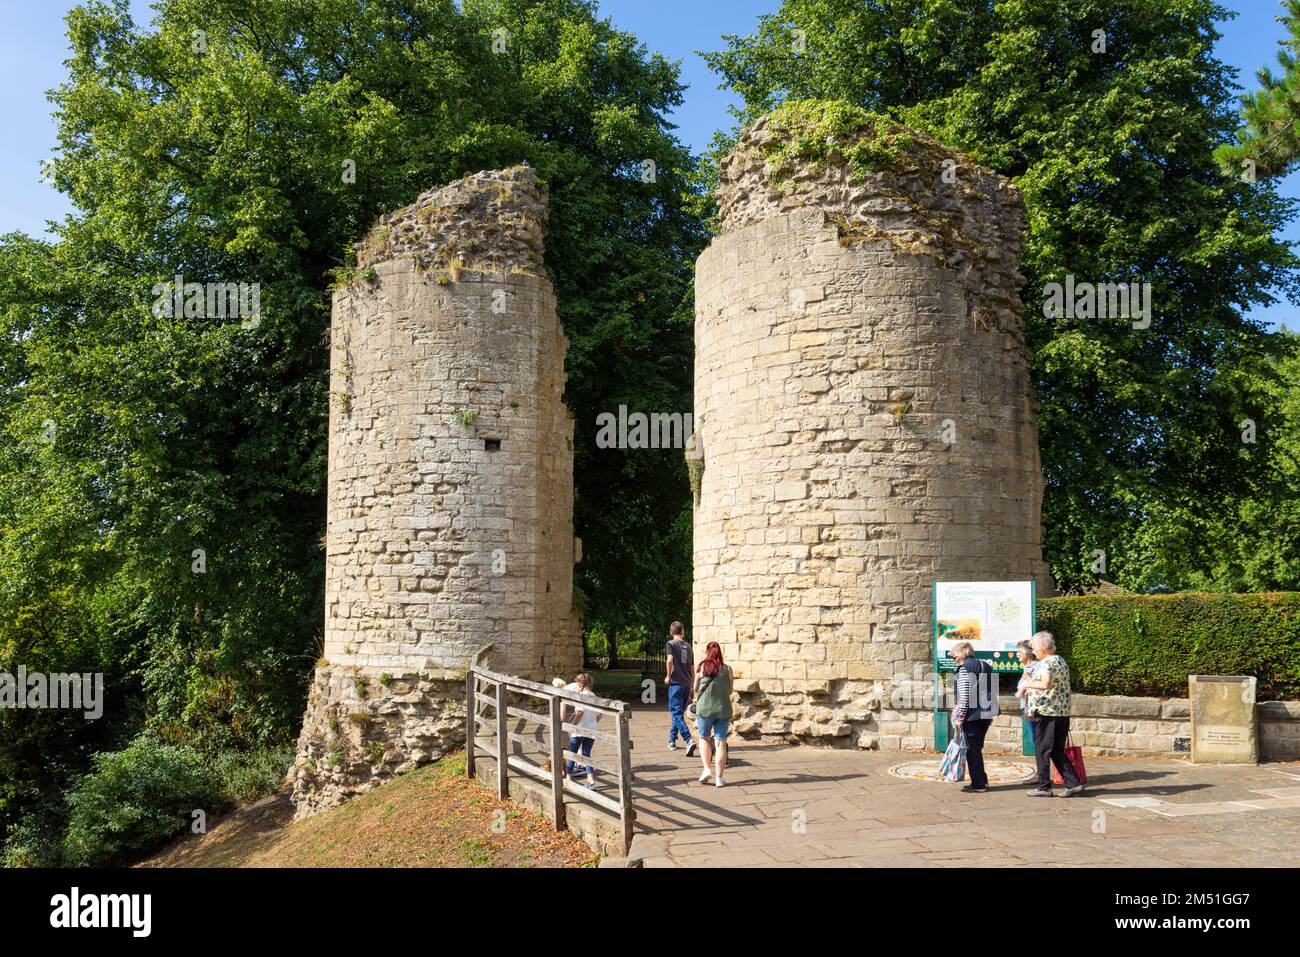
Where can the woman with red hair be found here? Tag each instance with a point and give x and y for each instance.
(713, 686)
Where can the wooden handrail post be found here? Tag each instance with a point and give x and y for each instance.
(626, 815)
(471, 726)
(503, 743)
(557, 768)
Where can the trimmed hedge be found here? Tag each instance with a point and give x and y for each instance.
(1147, 645)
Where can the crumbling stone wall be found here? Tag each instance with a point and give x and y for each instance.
(450, 500)
(863, 410)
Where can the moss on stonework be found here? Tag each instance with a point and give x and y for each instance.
(695, 472)
(816, 134)
(444, 232)
(858, 231)
(821, 132)
(694, 458)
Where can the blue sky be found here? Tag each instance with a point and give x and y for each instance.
(32, 50)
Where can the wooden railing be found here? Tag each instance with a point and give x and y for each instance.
(504, 734)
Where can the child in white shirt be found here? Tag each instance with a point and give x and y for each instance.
(585, 720)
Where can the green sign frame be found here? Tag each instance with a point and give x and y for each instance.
(1003, 662)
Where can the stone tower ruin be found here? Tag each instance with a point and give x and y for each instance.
(450, 501)
(864, 416)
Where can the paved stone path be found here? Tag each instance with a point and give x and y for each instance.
(821, 807)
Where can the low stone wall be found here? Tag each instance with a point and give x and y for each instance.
(1112, 725)
(361, 730)
(1279, 730)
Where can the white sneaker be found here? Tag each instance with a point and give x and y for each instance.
(672, 746)
(690, 748)
(717, 782)
(705, 775)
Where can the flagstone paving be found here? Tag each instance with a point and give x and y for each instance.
(805, 806)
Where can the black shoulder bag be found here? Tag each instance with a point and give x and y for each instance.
(703, 686)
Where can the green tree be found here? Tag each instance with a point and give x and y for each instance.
(173, 517)
(1268, 143)
(1251, 542)
(1106, 114)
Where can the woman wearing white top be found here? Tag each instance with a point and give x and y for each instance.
(1028, 665)
(584, 719)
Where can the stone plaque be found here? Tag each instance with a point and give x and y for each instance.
(1223, 719)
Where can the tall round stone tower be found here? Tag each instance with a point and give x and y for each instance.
(863, 409)
(450, 503)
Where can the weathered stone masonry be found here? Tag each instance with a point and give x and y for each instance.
(863, 407)
(450, 481)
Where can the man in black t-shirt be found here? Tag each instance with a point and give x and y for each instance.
(679, 676)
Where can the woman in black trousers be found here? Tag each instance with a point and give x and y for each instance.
(974, 708)
(1049, 713)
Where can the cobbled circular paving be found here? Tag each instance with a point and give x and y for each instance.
(999, 772)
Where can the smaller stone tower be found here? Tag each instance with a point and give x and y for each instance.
(450, 504)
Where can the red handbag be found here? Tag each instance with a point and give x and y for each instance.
(1074, 755)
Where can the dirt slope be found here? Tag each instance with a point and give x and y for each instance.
(433, 817)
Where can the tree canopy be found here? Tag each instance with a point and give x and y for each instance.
(162, 477)
(1268, 143)
(1106, 114)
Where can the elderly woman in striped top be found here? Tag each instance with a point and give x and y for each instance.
(976, 705)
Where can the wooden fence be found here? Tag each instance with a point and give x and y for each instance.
(530, 742)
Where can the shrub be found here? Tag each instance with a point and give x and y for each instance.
(35, 841)
(248, 775)
(1149, 644)
(134, 799)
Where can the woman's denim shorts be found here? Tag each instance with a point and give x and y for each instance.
(715, 726)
